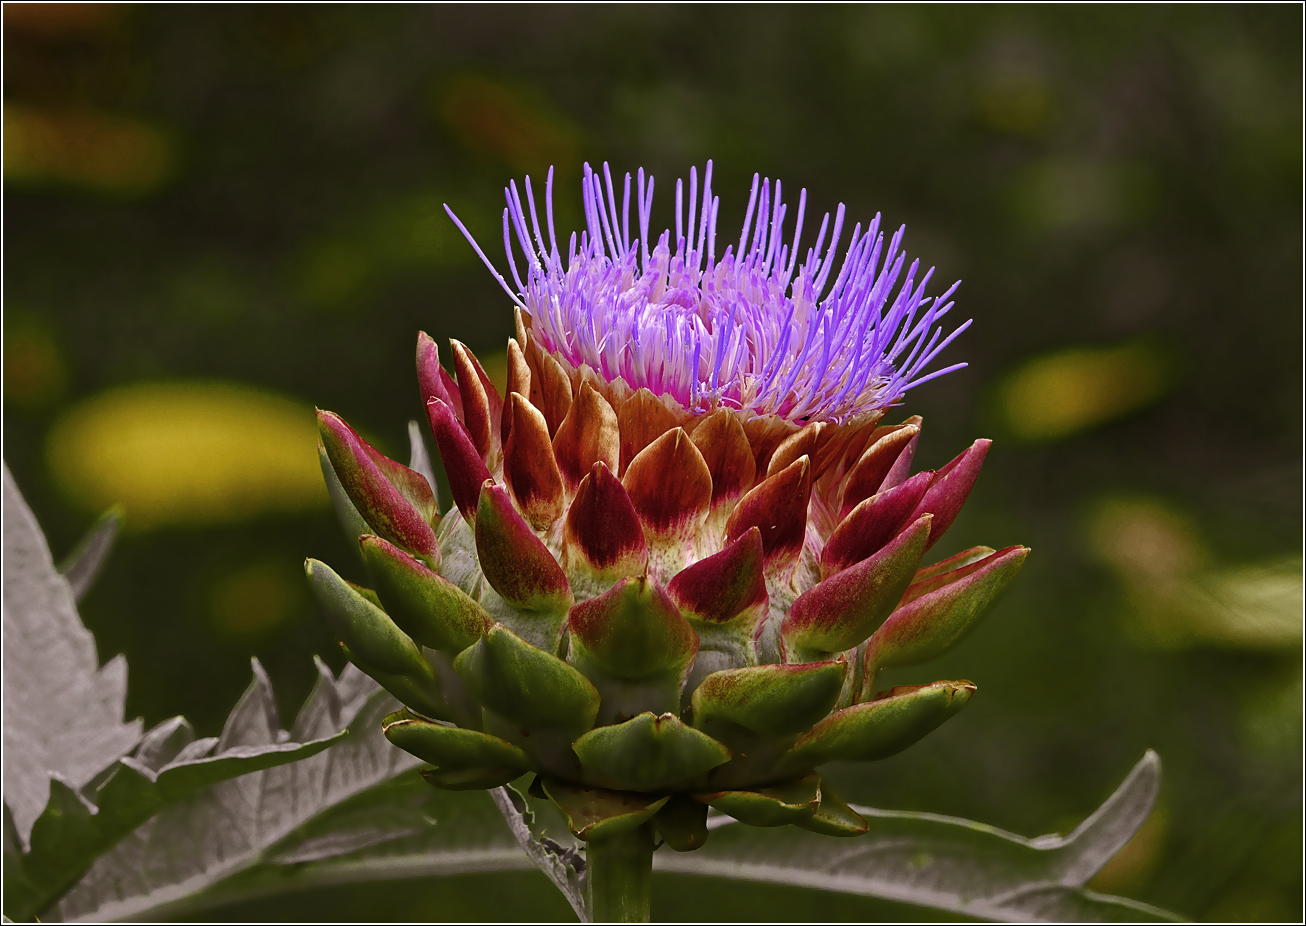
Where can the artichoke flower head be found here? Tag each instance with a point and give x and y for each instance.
(683, 544)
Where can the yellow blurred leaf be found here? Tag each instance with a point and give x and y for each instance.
(110, 153)
(1252, 607)
(1178, 598)
(188, 453)
(1060, 394)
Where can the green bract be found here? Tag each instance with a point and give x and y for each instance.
(652, 610)
(685, 544)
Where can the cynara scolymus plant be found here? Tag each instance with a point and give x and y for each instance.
(680, 553)
(684, 543)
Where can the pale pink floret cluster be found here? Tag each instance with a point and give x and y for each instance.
(751, 328)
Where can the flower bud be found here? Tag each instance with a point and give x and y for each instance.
(843, 610)
(430, 608)
(937, 612)
(778, 805)
(602, 538)
(515, 561)
(395, 501)
(462, 462)
(635, 646)
(647, 753)
(950, 487)
(374, 643)
(526, 684)
(880, 728)
(453, 749)
(688, 494)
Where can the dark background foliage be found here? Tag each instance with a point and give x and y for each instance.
(252, 195)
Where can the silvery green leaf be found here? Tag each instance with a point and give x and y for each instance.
(402, 827)
(228, 827)
(63, 711)
(929, 860)
(393, 810)
(562, 864)
(168, 765)
(419, 458)
(83, 564)
(432, 829)
(430, 832)
(946, 863)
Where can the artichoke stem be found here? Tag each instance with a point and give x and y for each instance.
(620, 876)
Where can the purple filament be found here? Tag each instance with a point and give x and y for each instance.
(753, 330)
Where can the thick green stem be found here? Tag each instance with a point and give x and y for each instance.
(619, 871)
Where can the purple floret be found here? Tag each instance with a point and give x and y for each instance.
(751, 329)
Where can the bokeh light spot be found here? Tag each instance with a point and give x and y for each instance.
(334, 272)
(254, 601)
(1254, 607)
(1079, 196)
(1146, 540)
(108, 153)
(492, 118)
(60, 19)
(35, 372)
(1014, 102)
(188, 453)
(1179, 598)
(1060, 394)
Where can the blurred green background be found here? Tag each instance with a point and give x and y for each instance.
(217, 217)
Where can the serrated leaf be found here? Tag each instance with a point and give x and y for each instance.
(430, 832)
(169, 765)
(563, 865)
(416, 830)
(63, 712)
(230, 826)
(394, 809)
(946, 863)
(83, 564)
(929, 860)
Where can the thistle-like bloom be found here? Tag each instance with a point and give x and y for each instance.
(683, 546)
(750, 329)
